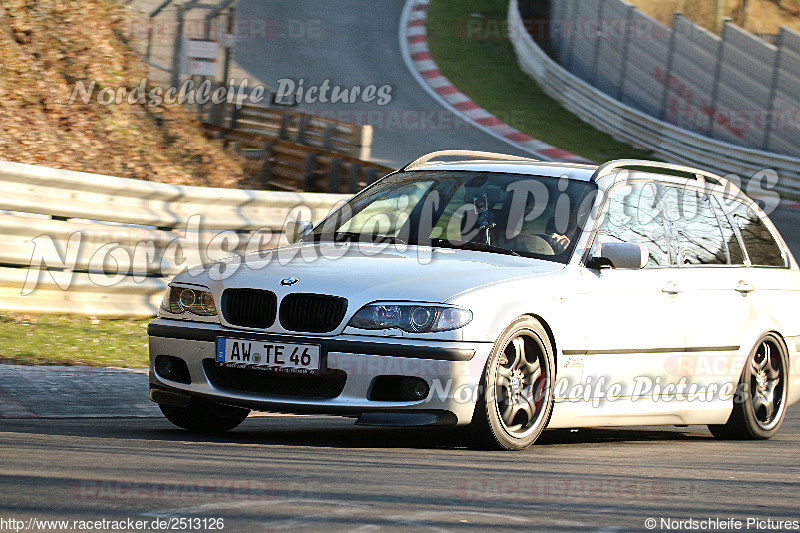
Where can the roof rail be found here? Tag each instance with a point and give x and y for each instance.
(701, 175)
(465, 153)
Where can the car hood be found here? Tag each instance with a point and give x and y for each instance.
(367, 273)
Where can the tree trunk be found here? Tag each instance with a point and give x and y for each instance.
(743, 14)
(720, 14)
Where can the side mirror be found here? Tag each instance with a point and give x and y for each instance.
(295, 229)
(621, 255)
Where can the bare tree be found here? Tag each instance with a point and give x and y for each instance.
(792, 6)
(743, 13)
(720, 14)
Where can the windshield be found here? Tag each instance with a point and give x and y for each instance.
(531, 216)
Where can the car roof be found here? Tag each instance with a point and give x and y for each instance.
(469, 160)
(530, 167)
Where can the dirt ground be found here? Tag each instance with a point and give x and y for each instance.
(764, 16)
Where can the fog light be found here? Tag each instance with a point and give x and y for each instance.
(164, 366)
(413, 389)
(172, 368)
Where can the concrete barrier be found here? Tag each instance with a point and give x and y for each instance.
(641, 130)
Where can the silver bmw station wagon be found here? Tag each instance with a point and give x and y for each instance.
(503, 294)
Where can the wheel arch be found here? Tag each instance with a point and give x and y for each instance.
(752, 344)
(782, 338)
(550, 335)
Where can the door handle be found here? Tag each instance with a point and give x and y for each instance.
(671, 288)
(744, 288)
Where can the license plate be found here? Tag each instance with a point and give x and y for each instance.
(277, 355)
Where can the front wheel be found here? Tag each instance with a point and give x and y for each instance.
(760, 400)
(516, 396)
(202, 416)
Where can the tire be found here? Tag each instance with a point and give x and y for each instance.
(760, 400)
(203, 416)
(516, 390)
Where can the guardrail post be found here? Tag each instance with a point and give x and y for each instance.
(234, 117)
(355, 174)
(177, 46)
(371, 176)
(283, 132)
(266, 165)
(625, 47)
(364, 143)
(717, 75)
(310, 176)
(226, 65)
(149, 42)
(573, 23)
(598, 41)
(327, 137)
(216, 113)
(333, 174)
(668, 68)
(773, 89)
(301, 130)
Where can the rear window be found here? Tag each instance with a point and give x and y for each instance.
(761, 247)
(694, 229)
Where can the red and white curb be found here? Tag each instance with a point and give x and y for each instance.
(414, 46)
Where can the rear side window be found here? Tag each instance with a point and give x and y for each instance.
(693, 227)
(761, 246)
(735, 252)
(633, 216)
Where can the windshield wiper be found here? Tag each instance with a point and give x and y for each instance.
(367, 238)
(471, 245)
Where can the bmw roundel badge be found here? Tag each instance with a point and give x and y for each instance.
(289, 281)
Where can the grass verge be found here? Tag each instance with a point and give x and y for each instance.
(73, 340)
(482, 64)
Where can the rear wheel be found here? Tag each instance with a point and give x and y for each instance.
(516, 396)
(760, 401)
(203, 416)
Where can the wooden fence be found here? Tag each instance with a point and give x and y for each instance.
(310, 130)
(297, 167)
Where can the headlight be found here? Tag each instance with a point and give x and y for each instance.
(410, 317)
(179, 300)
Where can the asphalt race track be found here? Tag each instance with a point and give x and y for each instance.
(317, 473)
(353, 43)
(61, 459)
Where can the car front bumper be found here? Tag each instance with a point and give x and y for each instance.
(452, 371)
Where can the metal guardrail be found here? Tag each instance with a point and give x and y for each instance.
(84, 243)
(624, 123)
